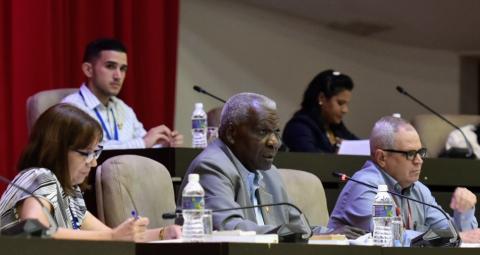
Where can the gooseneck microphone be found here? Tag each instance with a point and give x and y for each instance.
(432, 237)
(455, 152)
(28, 227)
(287, 237)
(200, 90)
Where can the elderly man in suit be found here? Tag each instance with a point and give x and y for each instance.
(236, 170)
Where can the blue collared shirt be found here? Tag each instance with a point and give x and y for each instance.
(253, 180)
(354, 205)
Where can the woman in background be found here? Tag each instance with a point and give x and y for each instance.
(62, 148)
(318, 125)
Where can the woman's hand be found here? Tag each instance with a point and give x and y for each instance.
(172, 232)
(131, 230)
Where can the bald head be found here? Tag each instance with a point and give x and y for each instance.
(384, 131)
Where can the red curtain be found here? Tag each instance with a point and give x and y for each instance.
(41, 47)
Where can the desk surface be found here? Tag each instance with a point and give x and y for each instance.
(37, 246)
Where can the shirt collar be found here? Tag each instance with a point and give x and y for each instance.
(391, 182)
(91, 101)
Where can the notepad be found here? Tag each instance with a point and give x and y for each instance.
(355, 147)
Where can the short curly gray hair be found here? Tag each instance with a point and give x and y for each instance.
(236, 109)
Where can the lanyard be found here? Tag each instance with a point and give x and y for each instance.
(115, 129)
(99, 117)
(74, 218)
(408, 224)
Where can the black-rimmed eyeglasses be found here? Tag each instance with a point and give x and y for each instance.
(91, 155)
(411, 155)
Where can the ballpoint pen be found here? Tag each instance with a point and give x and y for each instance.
(135, 214)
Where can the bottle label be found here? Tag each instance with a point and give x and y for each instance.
(199, 123)
(193, 202)
(383, 211)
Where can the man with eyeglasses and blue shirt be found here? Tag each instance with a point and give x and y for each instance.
(396, 160)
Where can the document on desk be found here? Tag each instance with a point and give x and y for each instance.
(234, 236)
(470, 245)
(333, 239)
(355, 147)
(237, 236)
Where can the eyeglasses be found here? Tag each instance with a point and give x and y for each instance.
(90, 156)
(411, 155)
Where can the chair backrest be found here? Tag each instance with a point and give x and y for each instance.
(434, 132)
(305, 190)
(128, 182)
(43, 100)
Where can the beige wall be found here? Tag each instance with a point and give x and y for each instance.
(229, 47)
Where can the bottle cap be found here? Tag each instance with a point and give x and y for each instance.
(198, 105)
(396, 115)
(193, 178)
(381, 187)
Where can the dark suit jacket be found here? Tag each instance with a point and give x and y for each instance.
(303, 134)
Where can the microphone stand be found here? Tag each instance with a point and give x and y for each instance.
(200, 90)
(289, 237)
(469, 153)
(427, 238)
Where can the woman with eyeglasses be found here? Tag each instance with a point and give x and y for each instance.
(318, 125)
(62, 148)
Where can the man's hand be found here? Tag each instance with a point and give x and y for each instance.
(463, 200)
(470, 236)
(158, 135)
(349, 231)
(163, 136)
(176, 139)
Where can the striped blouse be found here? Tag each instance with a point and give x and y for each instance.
(68, 212)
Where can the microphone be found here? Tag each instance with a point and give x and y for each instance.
(432, 237)
(453, 152)
(287, 233)
(200, 90)
(28, 227)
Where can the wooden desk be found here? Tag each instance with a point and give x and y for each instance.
(35, 246)
(439, 174)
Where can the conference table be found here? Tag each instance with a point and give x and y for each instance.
(35, 246)
(441, 175)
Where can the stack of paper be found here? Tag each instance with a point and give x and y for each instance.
(238, 236)
(329, 239)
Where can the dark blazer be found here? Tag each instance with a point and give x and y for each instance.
(303, 134)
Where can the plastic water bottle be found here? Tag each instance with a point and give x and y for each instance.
(382, 215)
(193, 204)
(199, 127)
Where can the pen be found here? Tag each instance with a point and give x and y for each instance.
(134, 214)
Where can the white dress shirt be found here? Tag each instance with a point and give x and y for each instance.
(130, 130)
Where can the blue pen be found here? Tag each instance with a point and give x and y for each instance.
(134, 214)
